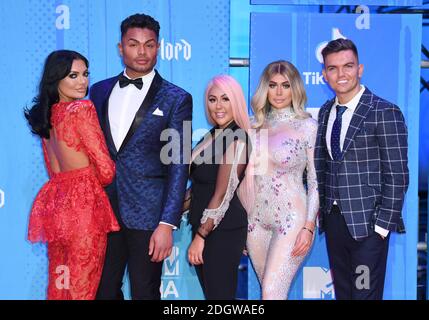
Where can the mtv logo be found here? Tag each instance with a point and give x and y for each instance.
(318, 283)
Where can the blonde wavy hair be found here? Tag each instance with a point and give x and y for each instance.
(259, 103)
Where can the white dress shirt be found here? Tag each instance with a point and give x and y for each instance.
(346, 118)
(345, 123)
(123, 106)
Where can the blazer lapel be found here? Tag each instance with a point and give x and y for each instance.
(105, 123)
(140, 114)
(325, 118)
(360, 114)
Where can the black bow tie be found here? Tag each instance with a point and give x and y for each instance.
(124, 81)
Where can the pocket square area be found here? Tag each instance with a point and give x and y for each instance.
(158, 112)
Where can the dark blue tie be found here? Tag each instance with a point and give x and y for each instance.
(336, 132)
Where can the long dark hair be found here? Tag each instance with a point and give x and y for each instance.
(57, 66)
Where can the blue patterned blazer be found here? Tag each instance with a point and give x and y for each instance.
(145, 190)
(370, 179)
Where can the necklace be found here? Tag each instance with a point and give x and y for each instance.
(281, 114)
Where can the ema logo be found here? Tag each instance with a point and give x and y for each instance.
(1, 198)
(168, 289)
(318, 283)
(171, 264)
(63, 20)
(176, 51)
(171, 269)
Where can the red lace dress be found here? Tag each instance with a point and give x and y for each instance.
(72, 212)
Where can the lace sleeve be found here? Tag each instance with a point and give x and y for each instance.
(93, 142)
(226, 184)
(312, 193)
(46, 157)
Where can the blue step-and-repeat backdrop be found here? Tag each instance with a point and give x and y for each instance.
(342, 2)
(195, 45)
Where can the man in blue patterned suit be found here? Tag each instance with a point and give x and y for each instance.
(362, 171)
(147, 193)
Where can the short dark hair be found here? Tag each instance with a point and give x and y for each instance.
(57, 66)
(338, 45)
(140, 20)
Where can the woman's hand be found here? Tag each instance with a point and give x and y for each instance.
(304, 240)
(195, 251)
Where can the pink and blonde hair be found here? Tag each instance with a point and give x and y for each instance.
(229, 86)
(233, 90)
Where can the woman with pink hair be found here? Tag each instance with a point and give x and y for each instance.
(220, 190)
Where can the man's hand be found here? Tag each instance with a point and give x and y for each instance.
(381, 236)
(161, 243)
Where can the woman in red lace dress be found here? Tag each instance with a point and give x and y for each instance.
(71, 212)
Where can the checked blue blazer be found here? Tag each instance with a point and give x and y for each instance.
(146, 191)
(371, 178)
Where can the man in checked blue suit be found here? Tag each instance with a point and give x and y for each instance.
(362, 171)
(147, 193)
